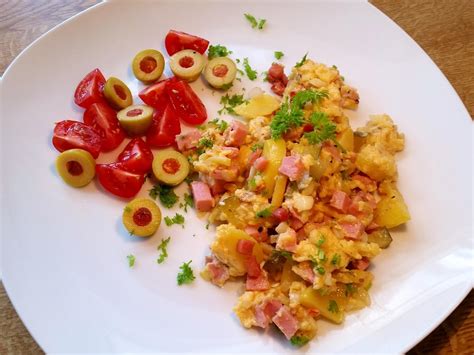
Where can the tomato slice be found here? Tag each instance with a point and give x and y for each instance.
(119, 182)
(90, 89)
(164, 128)
(156, 95)
(176, 41)
(104, 119)
(186, 103)
(72, 134)
(136, 157)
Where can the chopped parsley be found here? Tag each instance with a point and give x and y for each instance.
(230, 102)
(205, 143)
(266, 212)
(336, 259)
(321, 241)
(166, 194)
(220, 124)
(256, 146)
(217, 51)
(276, 254)
(254, 23)
(308, 96)
(299, 64)
(227, 86)
(186, 275)
(298, 341)
(131, 260)
(188, 202)
(251, 74)
(333, 307)
(163, 250)
(350, 289)
(177, 219)
(278, 55)
(323, 128)
(320, 270)
(252, 184)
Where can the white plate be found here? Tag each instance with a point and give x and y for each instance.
(64, 249)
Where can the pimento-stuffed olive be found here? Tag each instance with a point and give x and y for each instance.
(220, 72)
(187, 64)
(148, 65)
(135, 119)
(76, 167)
(170, 167)
(117, 94)
(141, 217)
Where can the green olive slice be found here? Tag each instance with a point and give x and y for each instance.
(187, 64)
(135, 119)
(148, 65)
(220, 72)
(170, 167)
(76, 167)
(118, 94)
(141, 217)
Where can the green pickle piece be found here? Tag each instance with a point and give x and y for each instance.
(381, 237)
(117, 94)
(76, 167)
(170, 167)
(135, 119)
(148, 65)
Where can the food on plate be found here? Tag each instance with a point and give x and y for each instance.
(117, 94)
(104, 119)
(89, 90)
(220, 72)
(141, 217)
(156, 95)
(176, 41)
(187, 104)
(135, 119)
(72, 134)
(76, 167)
(170, 167)
(164, 128)
(148, 65)
(118, 181)
(259, 105)
(136, 157)
(187, 64)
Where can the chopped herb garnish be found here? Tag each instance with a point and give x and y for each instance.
(186, 275)
(252, 74)
(266, 212)
(188, 202)
(321, 241)
(254, 23)
(163, 250)
(308, 96)
(220, 124)
(298, 341)
(252, 184)
(299, 64)
(320, 270)
(230, 102)
(177, 219)
(321, 255)
(336, 259)
(256, 146)
(323, 128)
(276, 254)
(278, 54)
(207, 225)
(217, 51)
(334, 67)
(166, 194)
(131, 260)
(333, 307)
(205, 143)
(227, 86)
(350, 289)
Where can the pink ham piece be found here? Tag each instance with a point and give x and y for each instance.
(261, 164)
(259, 283)
(276, 76)
(245, 246)
(340, 201)
(361, 264)
(217, 186)
(253, 267)
(218, 272)
(305, 271)
(292, 167)
(286, 322)
(265, 311)
(258, 233)
(232, 152)
(295, 223)
(352, 230)
(236, 134)
(202, 196)
(287, 240)
(188, 140)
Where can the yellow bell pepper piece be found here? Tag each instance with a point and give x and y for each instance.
(274, 151)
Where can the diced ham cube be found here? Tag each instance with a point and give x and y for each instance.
(272, 307)
(188, 140)
(261, 319)
(340, 201)
(245, 246)
(275, 73)
(305, 271)
(261, 164)
(202, 196)
(253, 267)
(218, 272)
(352, 230)
(236, 134)
(217, 186)
(278, 88)
(292, 167)
(259, 283)
(226, 174)
(287, 240)
(258, 233)
(286, 322)
(295, 223)
(361, 264)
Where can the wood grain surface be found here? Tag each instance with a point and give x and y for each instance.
(443, 28)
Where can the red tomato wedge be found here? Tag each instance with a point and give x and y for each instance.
(136, 157)
(164, 128)
(90, 89)
(72, 134)
(186, 103)
(176, 41)
(156, 95)
(119, 182)
(104, 119)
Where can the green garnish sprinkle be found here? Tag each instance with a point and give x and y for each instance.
(336, 259)
(251, 74)
(131, 260)
(320, 270)
(177, 219)
(321, 255)
(321, 241)
(276, 253)
(186, 275)
(300, 63)
(163, 250)
(188, 202)
(217, 51)
(333, 307)
(166, 194)
(254, 23)
(220, 124)
(298, 341)
(230, 102)
(256, 146)
(350, 289)
(323, 128)
(266, 212)
(227, 86)
(278, 55)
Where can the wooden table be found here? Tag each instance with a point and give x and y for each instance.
(445, 30)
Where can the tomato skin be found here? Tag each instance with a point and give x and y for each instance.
(156, 95)
(90, 89)
(72, 134)
(136, 157)
(100, 116)
(186, 103)
(119, 182)
(176, 41)
(164, 128)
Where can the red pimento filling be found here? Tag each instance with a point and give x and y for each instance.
(74, 168)
(171, 166)
(134, 112)
(148, 64)
(220, 70)
(186, 62)
(142, 217)
(120, 92)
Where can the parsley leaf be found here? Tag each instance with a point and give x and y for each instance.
(297, 340)
(230, 102)
(188, 202)
(205, 143)
(320, 270)
(350, 289)
(220, 124)
(333, 307)
(166, 194)
(186, 275)
(323, 128)
(278, 55)
(256, 146)
(131, 260)
(308, 96)
(177, 219)
(227, 86)
(261, 23)
(254, 23)
(163, 250)
(252, 74)
(266, 212)
(299, 64)
(217, 51)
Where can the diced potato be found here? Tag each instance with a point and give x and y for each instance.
(346, 139)
(328, 305)
(274, 151)
(392, 210)
(260, 105)
(224, 248)
(279, 191)
(376, 162)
